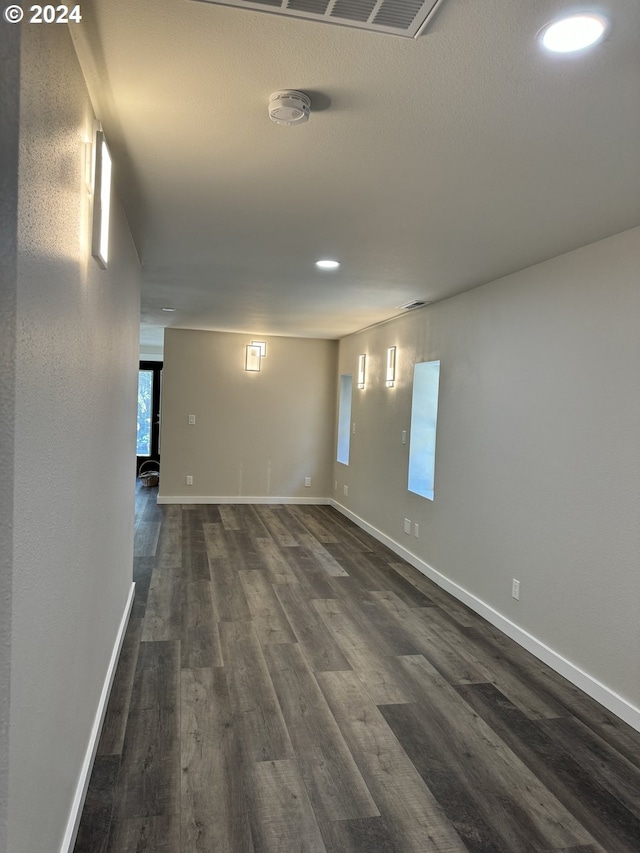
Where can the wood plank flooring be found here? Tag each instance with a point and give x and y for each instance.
(288, 685)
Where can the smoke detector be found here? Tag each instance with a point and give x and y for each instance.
(289, 107)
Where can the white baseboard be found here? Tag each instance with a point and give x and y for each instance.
(238, 499)
(73, 823)
(590, 685)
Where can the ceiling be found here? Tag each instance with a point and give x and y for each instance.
(428, 167)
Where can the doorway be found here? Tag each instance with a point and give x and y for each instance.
(149, 396)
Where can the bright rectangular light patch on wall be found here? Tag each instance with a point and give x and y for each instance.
(101, 202)
(424, 416)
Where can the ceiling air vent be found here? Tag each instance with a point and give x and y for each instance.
(416, 303)
(407, 18)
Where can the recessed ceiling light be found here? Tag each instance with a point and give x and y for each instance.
(328, 265)
(168, 309)
(573, 33)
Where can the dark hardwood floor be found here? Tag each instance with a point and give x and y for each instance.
(288, 685)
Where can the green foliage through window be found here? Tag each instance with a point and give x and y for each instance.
(145, 397)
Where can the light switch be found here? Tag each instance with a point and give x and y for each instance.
(404, 436)
(192, 419)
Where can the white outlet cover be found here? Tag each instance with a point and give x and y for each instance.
(407, 525)
(307, 481)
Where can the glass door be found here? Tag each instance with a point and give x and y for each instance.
(149, 394)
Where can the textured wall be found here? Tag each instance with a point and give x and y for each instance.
(537, 450)
(9, 122)
(76, 375)
(256, 434)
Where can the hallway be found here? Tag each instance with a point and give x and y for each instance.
(289, 684)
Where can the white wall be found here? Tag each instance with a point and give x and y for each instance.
(257, 435)
(151, 353)
(76, 332)
(537, 461)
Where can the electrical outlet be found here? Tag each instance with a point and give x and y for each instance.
(515, 589)
(404, 436)
(189, 480)
(345, 490)
(416, 530)
(335, 485)
(307, 481)
(353, 428)
(192, 420)
(407, 525)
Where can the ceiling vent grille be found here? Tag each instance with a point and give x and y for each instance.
(408, 18)
(416, 303)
